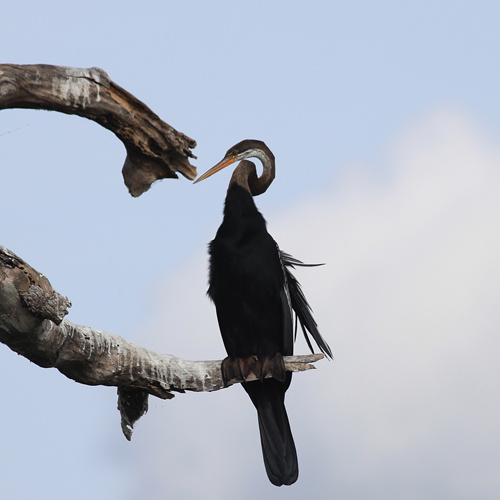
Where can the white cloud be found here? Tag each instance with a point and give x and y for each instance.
(408, 301)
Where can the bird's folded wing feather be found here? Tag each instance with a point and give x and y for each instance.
(300, 306)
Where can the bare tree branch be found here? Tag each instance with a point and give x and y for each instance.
(32, 324)
(155, 150)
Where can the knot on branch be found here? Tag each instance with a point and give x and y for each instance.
(46, 305)
(132, 405)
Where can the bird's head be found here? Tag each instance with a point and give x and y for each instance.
(249, 148)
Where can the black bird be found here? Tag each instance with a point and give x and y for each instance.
(255, 295)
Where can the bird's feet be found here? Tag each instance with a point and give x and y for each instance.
(238, 369)
(252, 368)
(274, 366)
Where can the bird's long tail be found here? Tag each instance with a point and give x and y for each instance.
(278, 448)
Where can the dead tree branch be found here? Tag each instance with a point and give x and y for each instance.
(32, 324)
(155, 150)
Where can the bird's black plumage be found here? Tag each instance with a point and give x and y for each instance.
(255, 295)
(247, 285)
(246, 278)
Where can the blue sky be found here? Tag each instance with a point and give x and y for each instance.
(384, 119)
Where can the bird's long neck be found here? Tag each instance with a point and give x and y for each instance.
(245, 173)
(260, 184)
(241, 216)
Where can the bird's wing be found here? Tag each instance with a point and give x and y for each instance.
(286, 308)
(298, 303)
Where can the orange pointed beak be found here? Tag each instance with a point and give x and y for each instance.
(222, 164)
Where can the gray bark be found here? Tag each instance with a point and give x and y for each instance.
(32, 324)
(155, 150)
